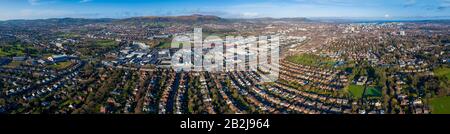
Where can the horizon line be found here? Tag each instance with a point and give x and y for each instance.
(312, 17)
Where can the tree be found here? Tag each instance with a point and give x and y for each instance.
(394, 102)
(2, 102)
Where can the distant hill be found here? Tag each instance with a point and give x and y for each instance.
(188, 19)
(196, 18)
(201, 19)
(284, 19)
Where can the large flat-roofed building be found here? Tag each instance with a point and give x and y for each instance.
(141, 45)
(19, 58)
(164, 54)
(58, 58)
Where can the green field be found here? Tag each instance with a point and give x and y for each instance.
(106, 43)
(3, 53)
(442, 72)
(164, 45)
(68, 35)
(373, 92)
(61, 65)
(311, 60)
(356, 90)
(440, 105)
(12, 50)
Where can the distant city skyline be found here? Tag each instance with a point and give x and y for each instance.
(382, 9)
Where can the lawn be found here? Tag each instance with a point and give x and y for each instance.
(12, 50)
(106, 43)
(442, 72)
(311, 60)
(70, 35)
(61, 65)
(164, 45)
(440, 105)
(3, 53)
(373, 91)
(356, 90)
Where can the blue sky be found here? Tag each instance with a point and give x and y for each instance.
(37, 9)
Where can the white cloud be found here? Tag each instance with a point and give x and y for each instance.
(250, 14)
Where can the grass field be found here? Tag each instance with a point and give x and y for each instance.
(311, 60)
(61, 65)
(372, 91)
(164, 45)
(106, 43)
(70, 35)
(442, 72)
(12, 50)
(3, 53)
(440, 105)
(356, 90)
